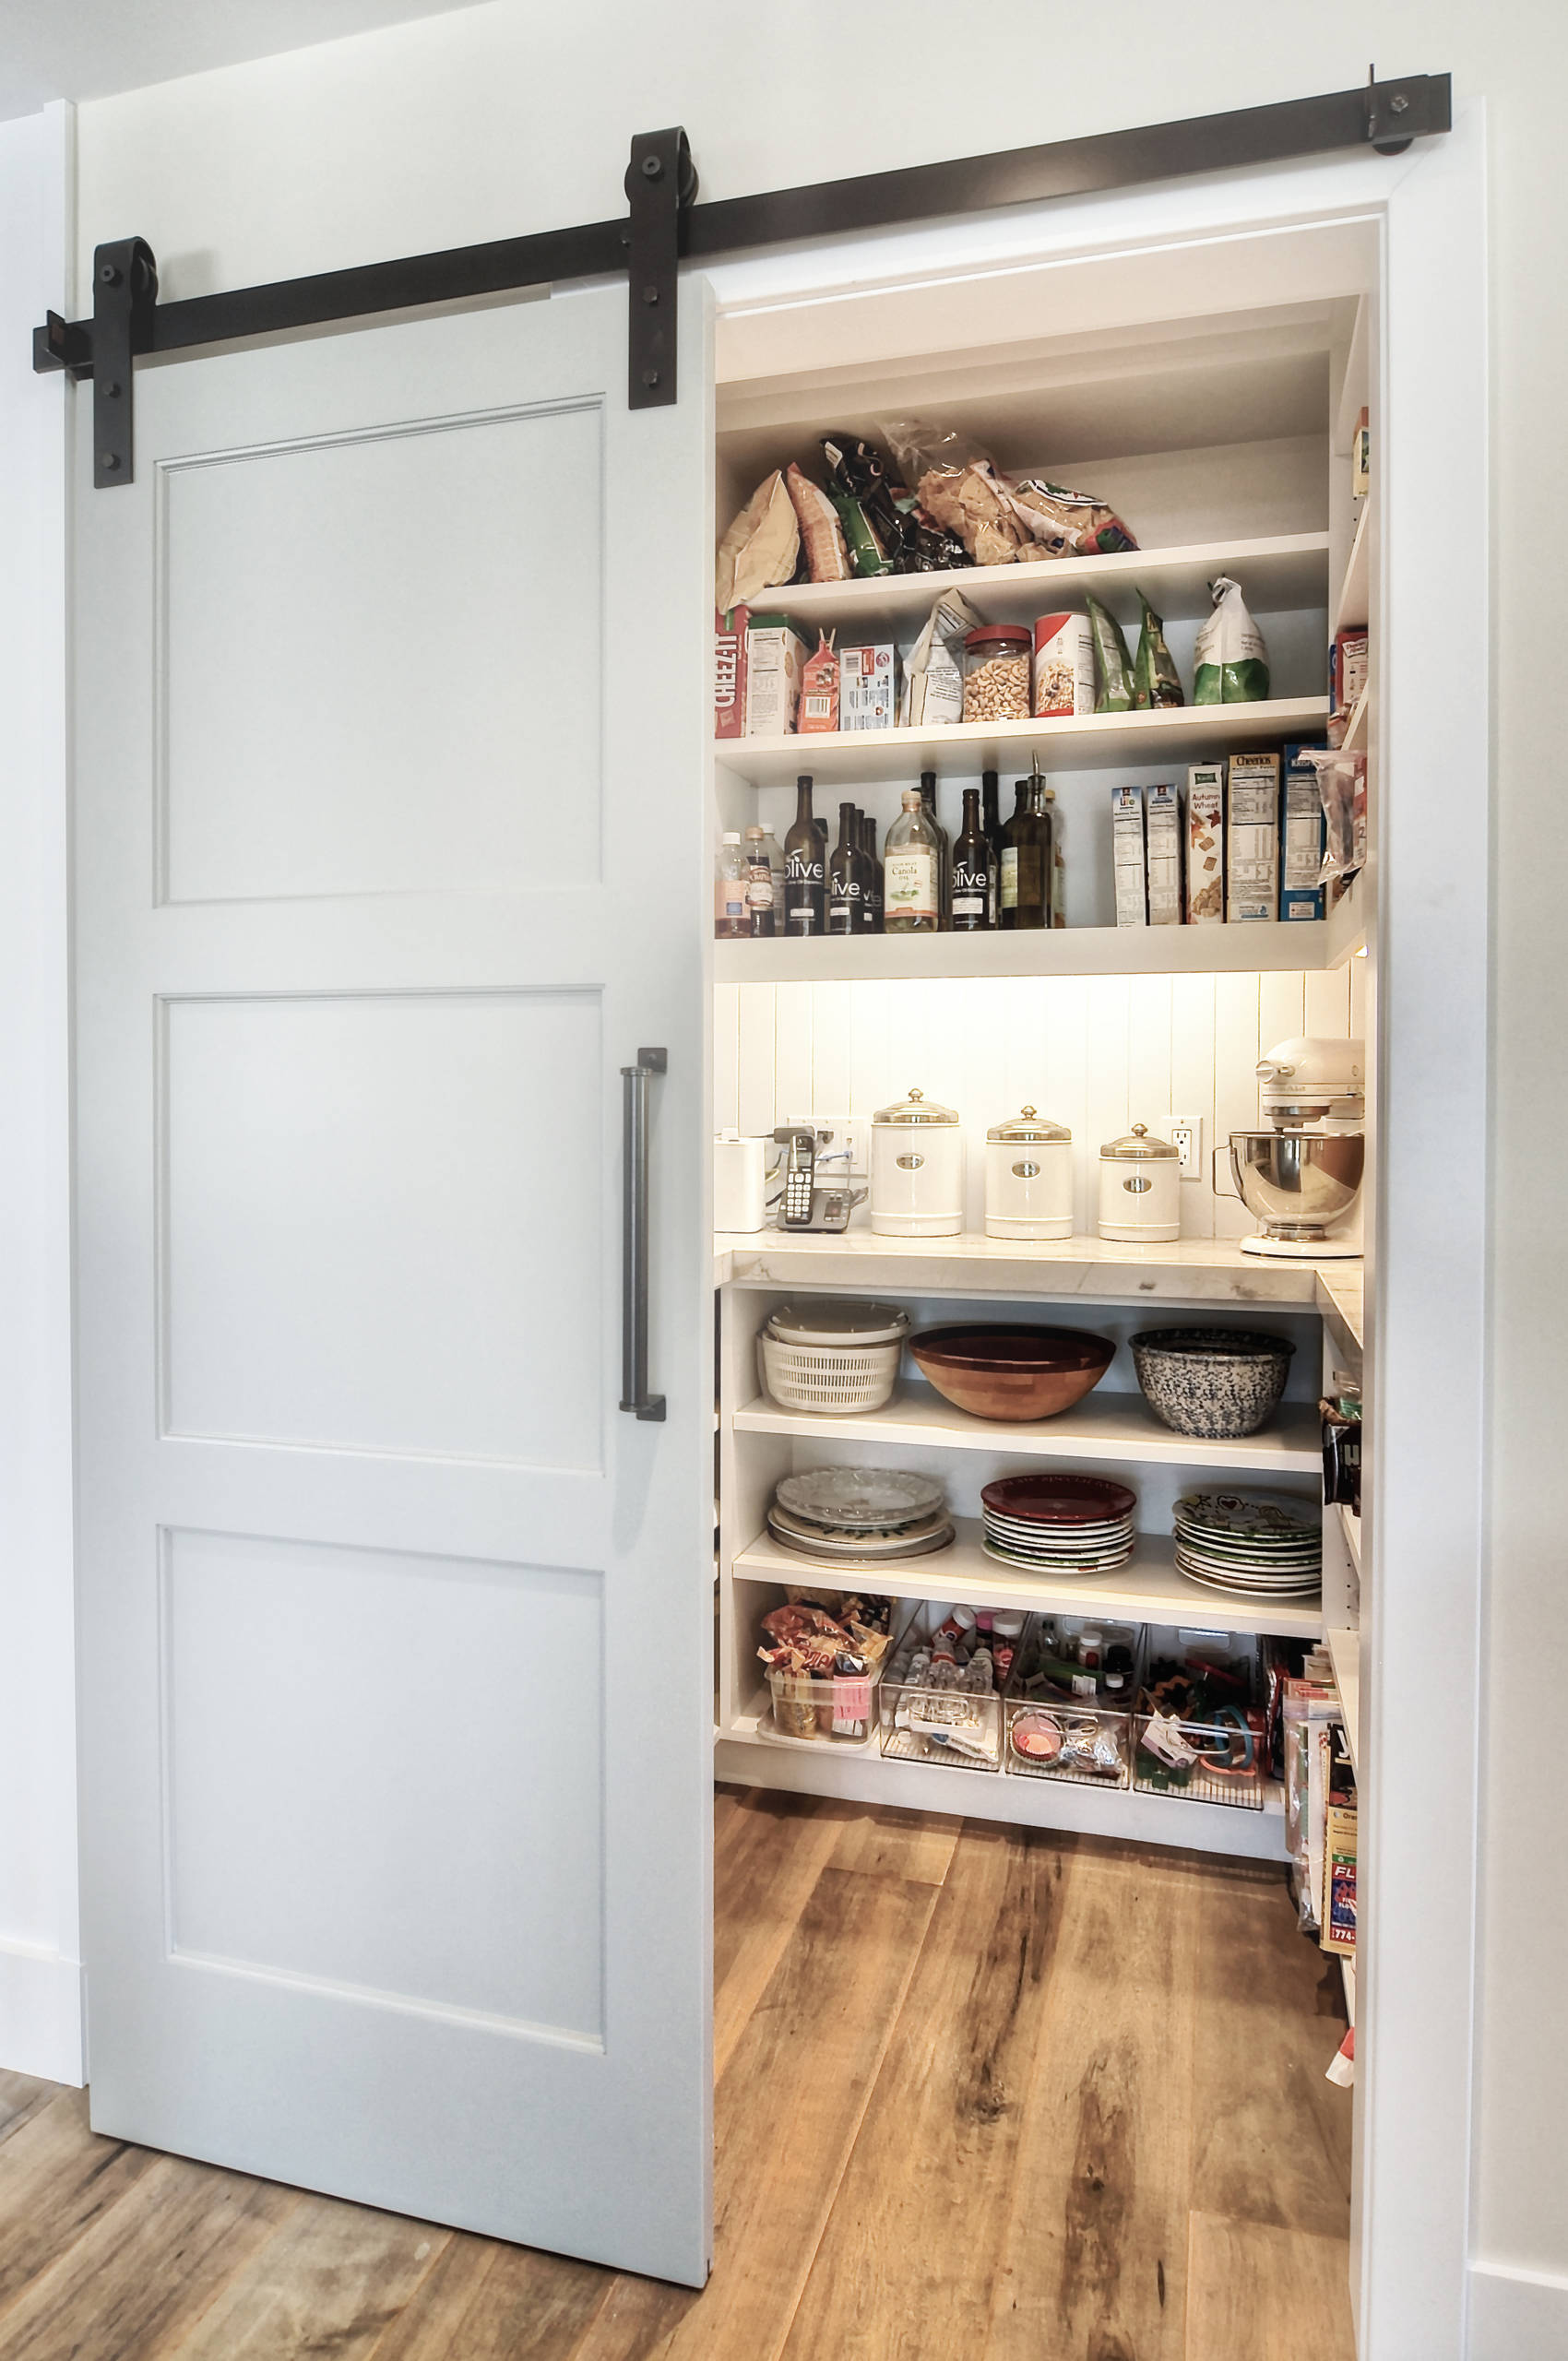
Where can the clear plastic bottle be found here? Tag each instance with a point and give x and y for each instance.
(761, 904)
(731, 919)
(911, 872)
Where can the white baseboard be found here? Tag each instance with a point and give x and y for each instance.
(1517, 2315)
(41, 2013)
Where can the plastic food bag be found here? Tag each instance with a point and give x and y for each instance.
(1156, 681)
(826, 554)
(1067, 524)
(1232, 662)
(1111, 661)
(955, 481)
(761, 548)
(933, 676)
(1342, 783)
(859, 490)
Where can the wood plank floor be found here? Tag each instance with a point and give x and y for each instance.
(982, 2092)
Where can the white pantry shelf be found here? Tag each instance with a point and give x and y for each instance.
(1303, 944)
(1147, 1590)
(1280, 574)
(1179, 734)
(1351, 614)
(1117, 1427)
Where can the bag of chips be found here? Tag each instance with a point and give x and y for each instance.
(1067, 524)
(761, 548)
(955, 481)
(1156, 681)
(1115, 693)
(1230, 664)
(827, 556)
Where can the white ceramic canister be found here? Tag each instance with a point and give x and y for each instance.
(1028, 1177)
(1140, 1190)
(917, 1170)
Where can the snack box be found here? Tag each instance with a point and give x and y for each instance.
(819, 689)
(1251, 838)
(729, 672)
(1128, 856)
(867, 686)
(1205, 843)
(1346, 668)
(1162, 833)
(1302, 833)
(776, 658)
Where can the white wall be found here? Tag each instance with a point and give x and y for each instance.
(1097, 1053)
(510, 117)
(39, 1975)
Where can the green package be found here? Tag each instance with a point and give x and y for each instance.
(1115, 674)
(866, 553)
(1231, 660)
(1156, 681)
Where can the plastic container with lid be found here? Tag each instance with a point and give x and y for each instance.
(1140, 1190)
(1028, 1177)
(996, 674)
(917, 1170)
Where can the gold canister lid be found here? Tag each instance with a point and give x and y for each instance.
(916, 1108)
(1135, 1147)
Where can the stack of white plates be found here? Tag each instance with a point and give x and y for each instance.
(1058, 1522)
(864, 1516)
(1250, 1541)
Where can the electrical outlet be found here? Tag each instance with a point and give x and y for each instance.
(851, 1135)
(1187, 1138)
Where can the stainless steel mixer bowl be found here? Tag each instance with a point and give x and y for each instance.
(1297, 1182)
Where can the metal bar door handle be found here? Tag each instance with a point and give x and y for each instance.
(635, 1395)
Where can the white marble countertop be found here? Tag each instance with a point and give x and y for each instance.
(1194, 1270)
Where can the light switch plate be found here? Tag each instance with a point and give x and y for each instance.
(1187, 1137)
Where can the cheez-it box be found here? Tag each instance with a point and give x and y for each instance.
(729, 672)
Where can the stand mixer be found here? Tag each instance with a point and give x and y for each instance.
(1303, 1177)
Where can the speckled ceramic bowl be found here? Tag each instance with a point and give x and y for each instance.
(1216, 1383)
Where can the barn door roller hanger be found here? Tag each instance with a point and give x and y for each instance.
(664, 225)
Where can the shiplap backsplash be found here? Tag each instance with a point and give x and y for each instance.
(1098, 1053)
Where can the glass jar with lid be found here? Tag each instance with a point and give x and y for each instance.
(996, 674)
(1140, 1190)
(917, 1170)
(1028, 1177)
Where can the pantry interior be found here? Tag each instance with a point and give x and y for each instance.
(1210, 392)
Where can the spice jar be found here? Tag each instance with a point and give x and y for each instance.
(996, 674)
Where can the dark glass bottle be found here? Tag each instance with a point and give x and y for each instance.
(805, 894)
(870, 907)
(1023, 871)
(991, 821)
(973, 870)
(1042, 803)
(928, 797)
(847, 876)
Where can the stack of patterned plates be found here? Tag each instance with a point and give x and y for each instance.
(1250, 1541)
(861, 1515)
(1059, 1524)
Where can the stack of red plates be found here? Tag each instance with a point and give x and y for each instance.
(1059, 1524)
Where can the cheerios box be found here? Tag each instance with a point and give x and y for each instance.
(1251, 838)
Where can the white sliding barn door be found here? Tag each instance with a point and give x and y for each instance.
(395, 1639)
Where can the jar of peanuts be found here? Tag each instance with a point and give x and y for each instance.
(996, 674)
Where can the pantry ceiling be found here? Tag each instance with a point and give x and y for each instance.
(90, 49)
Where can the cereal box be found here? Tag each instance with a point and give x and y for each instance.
(867, 686)
(1251, 838)
(1128, 856)
(1162, 832)
(776, 656)
(1205, 843)
(819, 687)
(1302, 834)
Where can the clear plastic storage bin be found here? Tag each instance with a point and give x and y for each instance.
(839, 1711)
(1068, 1719)
(1218, 1756)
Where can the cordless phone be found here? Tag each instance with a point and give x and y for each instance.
(801, 1205)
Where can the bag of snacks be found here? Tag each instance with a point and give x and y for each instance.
(955, 481)
(1156, 681)
(1231, 663)
(933, 676)
(1110, 659)
(761, 548)
(859, 488)
(826, 554)
(1067, 524)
